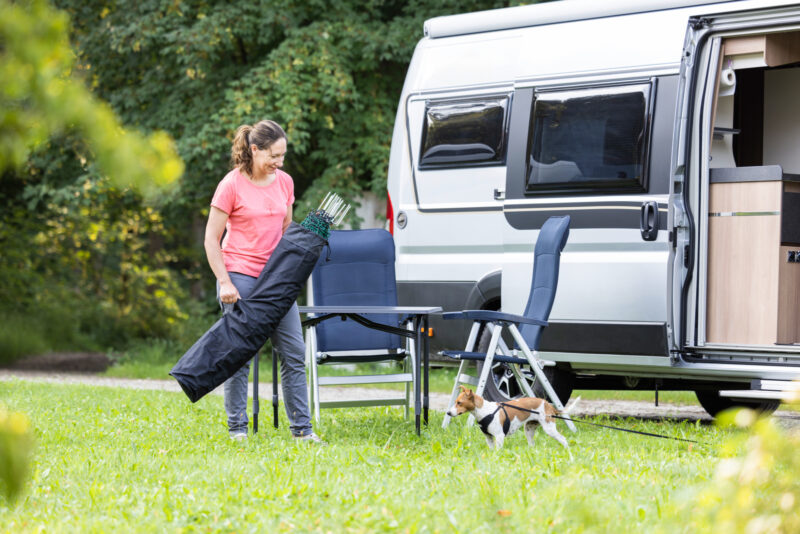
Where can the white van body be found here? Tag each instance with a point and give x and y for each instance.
(627, 116)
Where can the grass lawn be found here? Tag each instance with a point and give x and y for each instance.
(154, 359)
(109, 460)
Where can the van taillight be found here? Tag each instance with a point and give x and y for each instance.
(390, 213)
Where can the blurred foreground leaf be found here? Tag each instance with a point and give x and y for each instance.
(40, 96)
(15, 444)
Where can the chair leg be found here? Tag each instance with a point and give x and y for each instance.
(315, 386)
(408, 390)
(471, 340)
(411, 348)
(487, 363)
(490, 352)
(409, 363)
(521, 381)
(311, 351)
(309, 389)
(454, 395)
(533, 360)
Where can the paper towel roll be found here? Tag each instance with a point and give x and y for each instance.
(727, 82)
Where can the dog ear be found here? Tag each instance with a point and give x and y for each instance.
(469, 393)
(463, 388)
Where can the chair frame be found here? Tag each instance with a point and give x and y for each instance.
(314, 358)
(497, 321)
(315, 381)
(550, 242)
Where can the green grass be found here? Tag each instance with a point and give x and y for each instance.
(154, 359)
(109, 460)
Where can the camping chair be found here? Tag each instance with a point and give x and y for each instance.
(547, 255)
(357, 270)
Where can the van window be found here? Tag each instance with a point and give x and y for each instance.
(589, 140)
(464, 132)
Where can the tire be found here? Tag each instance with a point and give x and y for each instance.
(502, 385)
(714, 404)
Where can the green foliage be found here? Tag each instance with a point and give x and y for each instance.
(98, 259)
(72, 229)
(40, 96)
(15, 443)
(330, 73)
(86, 222)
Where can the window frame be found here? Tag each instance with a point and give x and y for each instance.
(506, 96)
(647, 87)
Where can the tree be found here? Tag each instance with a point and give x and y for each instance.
(329, 72)
(40, 97)
(71, 186)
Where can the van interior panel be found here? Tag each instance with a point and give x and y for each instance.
(753, 285)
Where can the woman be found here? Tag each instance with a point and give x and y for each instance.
(254, 204)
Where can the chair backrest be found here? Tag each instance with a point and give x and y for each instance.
(546, 259)
(356, 269)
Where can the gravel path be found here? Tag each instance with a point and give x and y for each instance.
(438, 401)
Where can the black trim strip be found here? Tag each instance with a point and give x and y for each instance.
(600, 215)
(571, 209)
(452, 210)
(630, 339)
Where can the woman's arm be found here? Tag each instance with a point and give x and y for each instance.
(214, 228)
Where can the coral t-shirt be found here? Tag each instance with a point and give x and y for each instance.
(255, 219)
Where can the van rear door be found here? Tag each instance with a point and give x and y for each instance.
(600, 153)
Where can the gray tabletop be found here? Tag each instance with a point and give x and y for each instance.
(416, 310)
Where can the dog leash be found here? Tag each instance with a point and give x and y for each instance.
(607, 426)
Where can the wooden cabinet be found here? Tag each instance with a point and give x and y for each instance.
(753, 271)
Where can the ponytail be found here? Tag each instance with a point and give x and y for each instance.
(241, 156)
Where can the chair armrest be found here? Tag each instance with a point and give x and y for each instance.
(488, 315)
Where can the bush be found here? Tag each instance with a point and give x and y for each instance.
(19, 336)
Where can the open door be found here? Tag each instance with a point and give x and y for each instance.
(735, 198)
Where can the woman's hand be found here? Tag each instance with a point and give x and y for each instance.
(228, 293)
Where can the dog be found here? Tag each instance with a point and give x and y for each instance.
(497, 421)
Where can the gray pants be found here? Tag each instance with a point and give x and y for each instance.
(287, 341)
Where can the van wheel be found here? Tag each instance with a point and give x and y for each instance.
(502, 385)
(714, 404)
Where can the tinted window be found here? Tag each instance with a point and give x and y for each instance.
(466, 132)
(593, 139)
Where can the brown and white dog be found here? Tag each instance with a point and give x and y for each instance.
(500, 420)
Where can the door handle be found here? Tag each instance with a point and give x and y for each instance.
(648, 223)
(499, 194)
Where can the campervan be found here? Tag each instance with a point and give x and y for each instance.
(669, 131)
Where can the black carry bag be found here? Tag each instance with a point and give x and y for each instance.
(240, 333)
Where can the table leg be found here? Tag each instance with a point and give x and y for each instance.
(255, 395)
(418, 365)
(425, 398)
(275, 388)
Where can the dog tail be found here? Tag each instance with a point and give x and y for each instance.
(567, 409)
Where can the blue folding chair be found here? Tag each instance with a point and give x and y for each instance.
(357, 270)
(547, 256)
